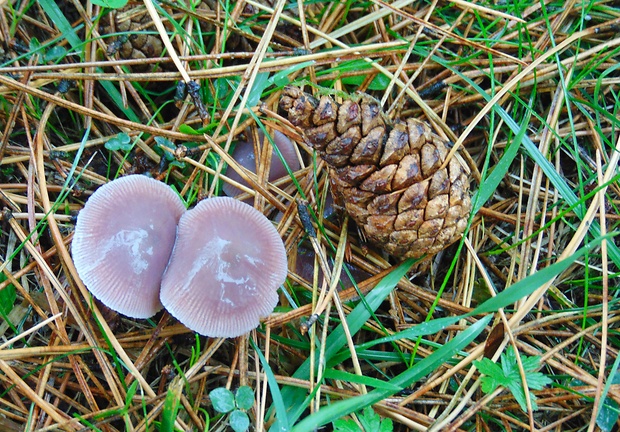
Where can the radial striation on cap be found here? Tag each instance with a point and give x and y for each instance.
(225, 270)
(123, 240)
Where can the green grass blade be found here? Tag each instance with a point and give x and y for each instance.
(169, 411)
(489, 185)
(421, 369)
(531, 283)
(64, 26)
(274, 389)
(555, 177)
(293, 396)
(505, 298)
(351, 377)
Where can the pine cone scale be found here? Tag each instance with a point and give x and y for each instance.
(385, 204)
(397, 145)
(368, 150)
(348, 115)
(386, 174)
(408, 172)
(380, 181)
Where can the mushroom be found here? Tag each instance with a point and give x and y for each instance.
(123, 240)
(227, 264)
(246, 157)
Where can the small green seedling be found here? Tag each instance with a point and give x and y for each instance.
(235, 405)
(46, 52)
(370, 421)
(508, 376)
(163, 145)
(122, 141)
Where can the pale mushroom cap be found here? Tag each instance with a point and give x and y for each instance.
(225, 270)
(123, 240)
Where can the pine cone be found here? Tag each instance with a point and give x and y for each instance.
(386, 173)
(135, 45)
(142, 40)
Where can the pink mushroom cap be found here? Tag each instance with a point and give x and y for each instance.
(123, 240)
(225, 270)
(245, 156)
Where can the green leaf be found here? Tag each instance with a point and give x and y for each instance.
(380, 82)
(110, 4)
(516, 389)
(489, 384)
(34, 45)
(62, 24)
(608, 415)
(222, 399)
(239, 421)
(177, 164)
(491, 371)
(7, 297)
(489, 186)
(345, 425)
(508, 376)
(422, 329)
(122, 141)
(538, 381)
(386, 425)
(281, 78)
(244, 397)
(223, 90)
(276, 395)
(530, 363)
(609, 411)
(260, 84)
(187, 129)
(55, 53)
(131, 392)
(164, 144)
(370, 420)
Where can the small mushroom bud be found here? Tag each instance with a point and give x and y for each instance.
(226, 266)
(123, 240)
(245, 156)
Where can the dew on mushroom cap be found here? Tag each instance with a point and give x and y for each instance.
(225, 269)
(245, 156)
(123, 240)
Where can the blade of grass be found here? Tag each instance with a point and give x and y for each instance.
(507, 297)
(58, 18)
(354, 378)
(488, 186)
(293, 396)
(503, 299)
(433, 362)
(274, 389)
(170, 409)
(532, 150)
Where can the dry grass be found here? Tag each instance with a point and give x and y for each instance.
(533, 102)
